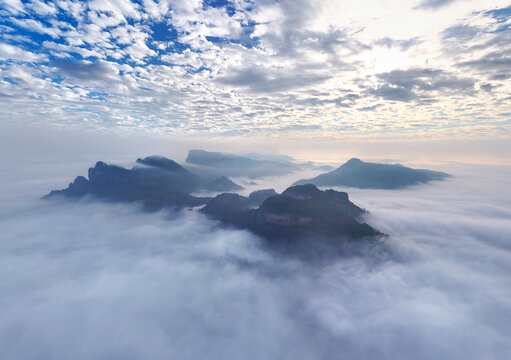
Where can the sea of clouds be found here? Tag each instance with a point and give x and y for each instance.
(89, 280)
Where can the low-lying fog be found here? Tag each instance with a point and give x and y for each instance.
(84, 280)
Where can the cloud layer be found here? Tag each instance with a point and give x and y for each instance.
(89, 280)
(259, 68)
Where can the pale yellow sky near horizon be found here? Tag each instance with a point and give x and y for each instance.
(45, 144)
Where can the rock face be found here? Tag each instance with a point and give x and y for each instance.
(159, 183)
(223, 184)
(365, 175)
(300, 211)
(227, 207)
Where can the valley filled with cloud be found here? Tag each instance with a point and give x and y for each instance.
(89, 279)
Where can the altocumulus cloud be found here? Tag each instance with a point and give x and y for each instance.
(89, 280)
(201, 67)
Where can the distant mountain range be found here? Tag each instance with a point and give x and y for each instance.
(365, 175)
(300, 211)
(216, 164)
(155, 181)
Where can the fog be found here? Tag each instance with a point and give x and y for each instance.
(29, 141)
(89, 280)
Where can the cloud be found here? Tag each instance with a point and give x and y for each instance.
(13, 6)
(90, 280)
(372, 107)
(10, 52)
(434, 4)
(37, 26)
(497, 63)
(42, 8)
(481, 47)
(267, 81)
(460, 32)
(114, 11)
(403, 44)
(216, 68)
(415, 84)
(85, 70)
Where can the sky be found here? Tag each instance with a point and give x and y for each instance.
(364, 70)
(425, 83)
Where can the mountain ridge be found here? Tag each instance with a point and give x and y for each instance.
(367, 175)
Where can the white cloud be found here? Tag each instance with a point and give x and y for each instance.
(13, 6)
(65, 50)
(156, 10)
(118, 9)
(42, 8)
(164, 284)
(36, 26)
(74, 8)
(9, 52)
(287, 63)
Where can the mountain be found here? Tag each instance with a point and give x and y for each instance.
(216, 164)
(218, 159)
(212, 165)
(160, 172)
(159, 183)
(299, 212)
(258, 196)
(366, 175)
(227, 207)
(222, 184)
(162, 163)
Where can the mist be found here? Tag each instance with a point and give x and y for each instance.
(91, 280)
(47, 143)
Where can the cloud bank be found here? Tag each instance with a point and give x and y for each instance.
(91, 280)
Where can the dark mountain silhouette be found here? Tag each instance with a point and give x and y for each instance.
(222, 184)
(227, 207)
(156, 182)
(160, 184)
(366, 175)
(162, 163)
(300, 211)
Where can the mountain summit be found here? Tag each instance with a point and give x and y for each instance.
(299, 212)
(366, 175)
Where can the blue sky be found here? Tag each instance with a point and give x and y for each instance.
(428, 69)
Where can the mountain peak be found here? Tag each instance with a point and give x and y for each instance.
(353, 161)
(368, 175)
(302, 192)
(301, 211)
(161, 162)
(223, 184)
